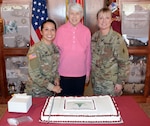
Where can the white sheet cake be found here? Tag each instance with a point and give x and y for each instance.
(88, 109)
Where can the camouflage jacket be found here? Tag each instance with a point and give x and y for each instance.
(42, 67)
(110, 59)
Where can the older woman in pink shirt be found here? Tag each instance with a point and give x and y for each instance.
(73, 41)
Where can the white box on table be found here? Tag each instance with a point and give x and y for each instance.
(20, 103)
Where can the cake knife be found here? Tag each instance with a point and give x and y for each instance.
(51, 107)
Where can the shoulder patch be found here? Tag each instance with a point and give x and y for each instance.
(32, 56)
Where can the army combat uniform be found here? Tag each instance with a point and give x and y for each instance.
(110, 62)
(42, 67)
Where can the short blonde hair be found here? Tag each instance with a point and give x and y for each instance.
(103, 10)
(76, 7)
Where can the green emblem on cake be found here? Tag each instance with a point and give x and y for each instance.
(79, 104)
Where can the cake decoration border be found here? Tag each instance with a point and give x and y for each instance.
(83, 122)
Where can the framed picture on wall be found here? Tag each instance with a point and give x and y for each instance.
(135, 18)
(136, 78)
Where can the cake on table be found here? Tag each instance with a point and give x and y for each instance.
(87, 109)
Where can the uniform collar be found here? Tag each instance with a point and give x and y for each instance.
(106, 38)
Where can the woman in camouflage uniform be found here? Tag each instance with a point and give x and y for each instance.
(110, 58)
(42, 63)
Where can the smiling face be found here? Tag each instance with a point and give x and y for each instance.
(74, 13)
(74, 17)
(104, 20)
(48, 32)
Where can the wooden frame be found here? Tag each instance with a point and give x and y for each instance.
(139, 50)
(6, 52)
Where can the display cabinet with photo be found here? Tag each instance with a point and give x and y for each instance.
(16, 73)
(136, 77)
(135, 22)
(16, 25)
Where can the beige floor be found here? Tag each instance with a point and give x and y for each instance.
(88, 90)
(3, 108)
(146, 108)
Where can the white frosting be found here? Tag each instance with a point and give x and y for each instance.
(93, 109)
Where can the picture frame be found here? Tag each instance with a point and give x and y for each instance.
(16, 20)
(16, 73)
(135, 17)
(135, 81)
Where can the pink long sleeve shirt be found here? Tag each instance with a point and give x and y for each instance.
(74, 45)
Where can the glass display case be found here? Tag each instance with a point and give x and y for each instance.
(16, 73)
(135, 18)
(16, 25)
(135, 22)
(136, 80)
(15, 18)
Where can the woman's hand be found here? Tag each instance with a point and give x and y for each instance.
(87, 80)
(57, 89)
(118, 89)
(57, 81)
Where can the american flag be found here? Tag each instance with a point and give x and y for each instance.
(39, 14)
(77, 1)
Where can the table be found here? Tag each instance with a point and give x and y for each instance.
(131, 113)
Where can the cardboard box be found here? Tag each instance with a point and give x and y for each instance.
(20, 103)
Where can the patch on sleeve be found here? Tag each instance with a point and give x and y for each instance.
(32, 56)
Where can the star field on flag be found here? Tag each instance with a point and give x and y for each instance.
(39, 15)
